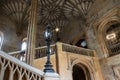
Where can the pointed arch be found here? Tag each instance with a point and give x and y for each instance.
(86, 67)
(101, 25)
(24, 77)
(80, 72)
(16, 75)
(23, 49)
(24, 44)
(7, 73)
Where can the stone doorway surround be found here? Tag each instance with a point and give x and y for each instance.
(80, 72)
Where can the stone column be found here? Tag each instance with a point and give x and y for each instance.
(62, 60)
(31, 35)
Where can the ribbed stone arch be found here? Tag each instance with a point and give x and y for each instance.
(101, 25)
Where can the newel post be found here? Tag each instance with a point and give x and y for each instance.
(51, 76)
(49, 73)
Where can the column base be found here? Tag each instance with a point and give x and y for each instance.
(48, 68)
(51, 76)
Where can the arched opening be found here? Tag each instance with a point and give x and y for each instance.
(81, 43)
(16, 75)
(23, 49)
(24, 44)
(7, 74)
(100, 27)
(80, 72)
(24, 77)
(112, 39)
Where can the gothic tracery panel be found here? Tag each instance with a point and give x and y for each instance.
(113, 39)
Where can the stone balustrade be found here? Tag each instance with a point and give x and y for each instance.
(16, 54)
(41, 51)
(13, 69)
(77, 50)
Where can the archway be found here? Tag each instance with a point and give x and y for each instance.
(112, 39)
(101, 26)
(81, 43)
(80, 72)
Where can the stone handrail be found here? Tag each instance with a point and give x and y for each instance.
(77, 50)
(14, 69)
(16, 54)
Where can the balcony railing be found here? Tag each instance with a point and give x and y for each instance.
(41, 51)
(77, 50)
(16, 54)
(13, 69)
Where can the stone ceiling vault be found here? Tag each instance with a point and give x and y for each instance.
(56, 12)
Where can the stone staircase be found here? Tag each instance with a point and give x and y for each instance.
(13, 69)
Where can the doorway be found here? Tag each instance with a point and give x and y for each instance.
(80, 72)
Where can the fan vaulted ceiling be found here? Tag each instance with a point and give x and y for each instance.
(55, 12)
(59, 13)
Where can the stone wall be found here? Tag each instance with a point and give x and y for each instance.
(64, 61)
(96, 34)
(11, 42)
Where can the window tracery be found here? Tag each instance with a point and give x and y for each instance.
(113, 39)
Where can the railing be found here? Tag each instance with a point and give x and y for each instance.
(16, 54)
(41, 51)
(13, 69)
(77, 50)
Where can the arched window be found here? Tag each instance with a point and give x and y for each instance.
(113, 39)
(23, 48)
(24, 44)
(1, 39)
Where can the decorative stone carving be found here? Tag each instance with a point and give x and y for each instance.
(116, 69)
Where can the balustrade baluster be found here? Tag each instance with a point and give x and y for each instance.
(16, 68)
(11, 75)
(20, 77)
(2, 73)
